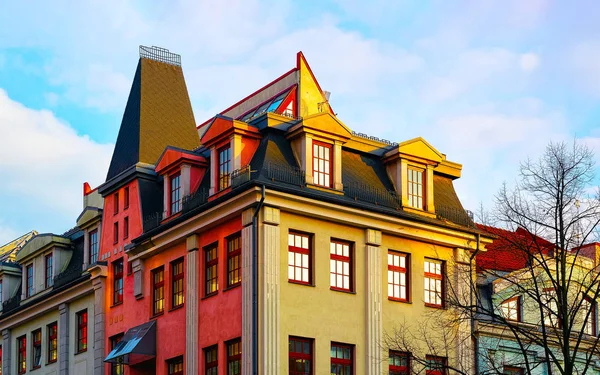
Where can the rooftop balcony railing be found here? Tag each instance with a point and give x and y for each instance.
(366, 193)
(288, 175)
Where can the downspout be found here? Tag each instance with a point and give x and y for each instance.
(473, 335)
(255, 282)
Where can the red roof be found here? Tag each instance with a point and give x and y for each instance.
(510, 250)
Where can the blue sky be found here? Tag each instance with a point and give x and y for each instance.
(488, 83)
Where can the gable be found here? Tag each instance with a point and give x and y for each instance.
(173, 155)
(311, 96)
(420, 148)
(218, 126)
(327, 123)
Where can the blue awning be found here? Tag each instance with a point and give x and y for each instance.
(137, 346)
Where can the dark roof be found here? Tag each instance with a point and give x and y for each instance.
(364, 176)
(158, 114)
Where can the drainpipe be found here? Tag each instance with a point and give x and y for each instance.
(255, 282)
(473, 336)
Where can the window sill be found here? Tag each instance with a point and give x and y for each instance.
(325, 189)
(342, 290)
(232, 287)
(157, 315)
(392, 299)
(209, 295)
(441, 307)
(51, 362)
(35, 368)
(116, 304)
(301, 283)
(419, 211)
(177, 307)
(80, 352)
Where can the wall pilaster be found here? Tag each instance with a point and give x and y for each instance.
(269, 292)
(6, 351)
(191, 306)
(99, 285)
(63, 339)
(374, 357)
(462, 280)
(247, 291)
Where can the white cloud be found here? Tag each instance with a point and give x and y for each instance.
(46, 162)
(529, 61)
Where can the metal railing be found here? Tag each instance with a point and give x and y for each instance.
(288, 175)
(240, 176)
(160, 54)
(194, 200)
(370, 194)
(13, 302)
(455, 215)
(372, 138)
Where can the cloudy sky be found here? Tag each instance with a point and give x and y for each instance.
(489, 83)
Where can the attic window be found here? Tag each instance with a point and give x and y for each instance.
(270, 105)
(224, 167)
(175, 193)
(416, 187)
(322, 164)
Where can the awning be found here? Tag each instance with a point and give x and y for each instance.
(138, 345)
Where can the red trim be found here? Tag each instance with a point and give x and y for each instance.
(297, 354)
(52, 339)
(48, 282)
(401, 270)
(439, 361)
(343, 361)
(211, 263)
(82, 331)
(176, 277)
(210, 363)
(329, 162)
(344, 259)
(300, 250)
(158, 285)
(234, 354)
(287, 100)
(515, 298)
(118, 281)
(36, 342)
(251, 95)
(175, 366)
(234, 260)
(270, 99)
(435, 276)
(172, 190)
(22, 354)
(396, 367)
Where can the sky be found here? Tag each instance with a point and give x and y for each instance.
(488, 83)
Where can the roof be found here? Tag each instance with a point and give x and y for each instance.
(9, 250)
(511, 250)
(158, 114)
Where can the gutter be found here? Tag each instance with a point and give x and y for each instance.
(255, 282)
(473, 335)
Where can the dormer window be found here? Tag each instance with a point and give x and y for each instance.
(224, 167)
(94, 248)
(29, 281)
(416, 187)
(322, 164)
(175, 193)
(48, 275)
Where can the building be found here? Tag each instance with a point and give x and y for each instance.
(510, 282)
(271, 239)
(48, 302)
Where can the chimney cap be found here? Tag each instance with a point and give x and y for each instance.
(160, 54)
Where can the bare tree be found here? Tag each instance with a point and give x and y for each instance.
(548, 220)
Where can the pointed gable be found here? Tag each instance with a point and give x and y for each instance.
(158, 114)
(312, 98)
(174, 156)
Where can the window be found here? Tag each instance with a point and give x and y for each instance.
(342, 361)
(116, 368)
(590, 324)
(22, 354)
(49, 276)
(178, 282)
(550, 307)
(511, 309)
(36, 349)
(434, 283)
(234, 357)
(415, 186)
(301, 356)
(82, 331)
(340, 266)
(211, 361)
(509, 370)
(52, 342)
(94, 248)
(116, 203)
(399, 363)
(397, 276)
(435, 365)
(175, 366)
(175, 193)
(234, 260)
(29, 290)
(322, 164)
(116, 232)
(126, 198)
(1, 299)
(224, 167)
(118, 281)
(211, 269)
(299, 258)
(125, 227)
(158, 291)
